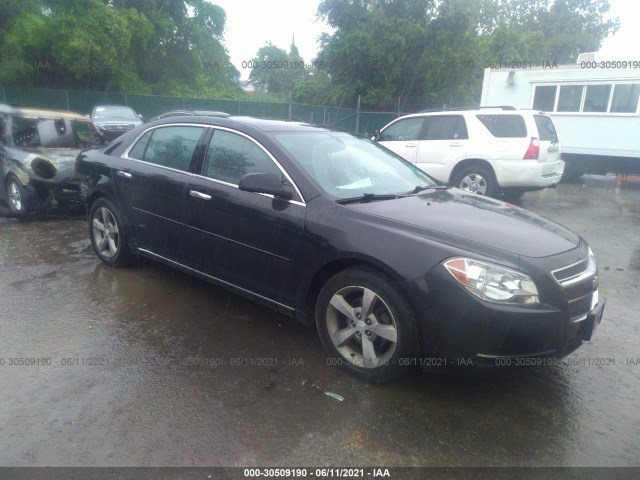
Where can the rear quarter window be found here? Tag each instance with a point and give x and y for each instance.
(546, 129)
(504, 126)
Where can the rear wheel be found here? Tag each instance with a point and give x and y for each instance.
(475, 179)
(108, 234)
(366, 325)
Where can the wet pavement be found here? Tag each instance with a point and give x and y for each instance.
(145, 366)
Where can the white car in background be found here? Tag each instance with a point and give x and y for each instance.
(488, 151)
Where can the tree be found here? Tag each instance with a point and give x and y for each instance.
(543, 31)
(276, 71)
(385, 49)
(376, 50)
(143, 46)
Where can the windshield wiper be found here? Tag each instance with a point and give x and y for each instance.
(366, 197)
(421, 188)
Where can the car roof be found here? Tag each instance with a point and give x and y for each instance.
(41, 112)
(264, 125)
(175, 113)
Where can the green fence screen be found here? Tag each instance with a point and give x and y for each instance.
(348, 119)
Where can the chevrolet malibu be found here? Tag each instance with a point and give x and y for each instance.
(392, 268)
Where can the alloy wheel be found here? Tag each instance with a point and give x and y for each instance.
(15, 196)
(105, 232)
(361, 327)
(474, 183)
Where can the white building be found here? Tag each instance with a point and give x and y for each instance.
(594, 105)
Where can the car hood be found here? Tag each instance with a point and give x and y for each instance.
(476, 219)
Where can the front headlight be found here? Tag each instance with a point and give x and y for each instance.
(492, 282)
(592, 267)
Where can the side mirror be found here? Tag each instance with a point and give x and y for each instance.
(264, 183)
(376, 136)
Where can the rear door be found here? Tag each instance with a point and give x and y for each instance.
(152, 187)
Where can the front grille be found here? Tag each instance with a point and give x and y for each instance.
(578, 285)
(570, 272)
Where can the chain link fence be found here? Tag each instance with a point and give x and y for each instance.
(355, 120)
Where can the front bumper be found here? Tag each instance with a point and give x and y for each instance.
(464, 330)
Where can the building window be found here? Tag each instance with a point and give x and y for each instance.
(545, 98)
(625, 98)
(597, 98)
(570, 98)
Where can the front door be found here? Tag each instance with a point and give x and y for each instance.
(246, 239)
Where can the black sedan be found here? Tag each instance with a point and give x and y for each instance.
(38, 149)
(394, 269)
(114, 120)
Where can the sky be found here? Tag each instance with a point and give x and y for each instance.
(251, 23)
(625, 44)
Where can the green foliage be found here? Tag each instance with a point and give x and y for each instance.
(380, 50)
(144, 46)
(385, 49)
(275, 71)
(315, 89)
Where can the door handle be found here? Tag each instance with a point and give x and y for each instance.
(200, 195)
(413, 145)
(124, 174)
(456, 145)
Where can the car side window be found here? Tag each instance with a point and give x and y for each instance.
(172, 147)
(403, 130)
(137, 151)
(504, 126)
(446, 127)
(230, 156)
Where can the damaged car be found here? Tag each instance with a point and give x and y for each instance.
(38, 148)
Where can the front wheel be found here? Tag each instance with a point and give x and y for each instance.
(475, 179)
(108, 235)
(366, 325)
(17, 196)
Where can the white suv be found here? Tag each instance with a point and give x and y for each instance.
(488, 150)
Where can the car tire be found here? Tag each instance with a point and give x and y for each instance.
(108, 234)
(17, 197)
(475, 179)
(377, 347)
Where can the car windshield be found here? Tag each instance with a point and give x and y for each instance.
(346, 166)
(54, 133)
(114, 113)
